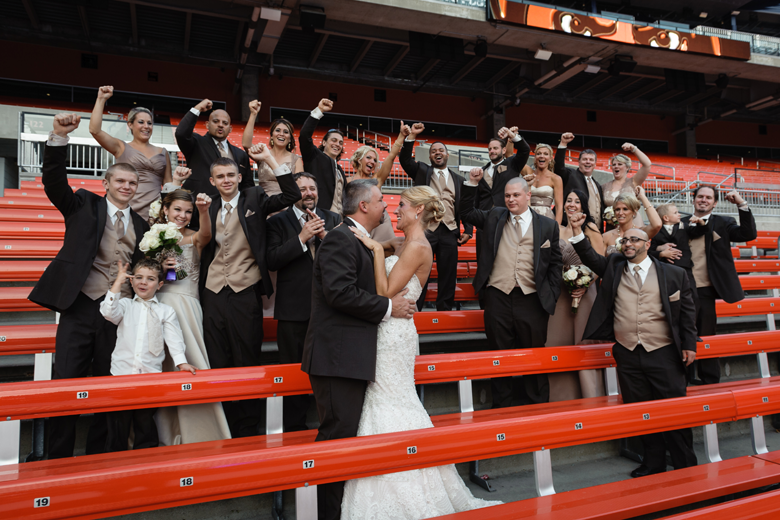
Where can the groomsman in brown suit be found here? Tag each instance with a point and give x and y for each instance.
(101, 233)
(520, 271)
(234, 275)
(645, 306)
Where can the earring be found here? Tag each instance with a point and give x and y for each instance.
(415, 217)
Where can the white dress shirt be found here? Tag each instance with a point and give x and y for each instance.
(489, 170)
(233, 206)
(445, 172)
(222, 145)
(131, 354)
(390, 301)
(644, 268)
(525, 219)
(669, 228)
(705, 218)
(113, 213)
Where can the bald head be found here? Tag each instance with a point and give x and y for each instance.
(517, 196)
(516, 180)
(218, 125)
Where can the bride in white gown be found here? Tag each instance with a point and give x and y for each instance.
(391, 403)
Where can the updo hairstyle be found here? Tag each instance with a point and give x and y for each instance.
(433, 207)
(170, 198)
(629, 200)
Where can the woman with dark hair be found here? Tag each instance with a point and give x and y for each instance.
(197, 422)
(566, 327)
(323, 161)
(151, 162)
(282, 146)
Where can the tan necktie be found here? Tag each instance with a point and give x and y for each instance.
(228, 212)
(119, 225)
(154, 328)
(518, 227)
(309, 243)
(637, 276)
(223, 151)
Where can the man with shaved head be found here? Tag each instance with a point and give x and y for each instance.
(520, 271)
(646, 307)
(201, 151)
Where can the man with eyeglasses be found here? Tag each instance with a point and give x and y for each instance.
(323, 161)
(646, 307)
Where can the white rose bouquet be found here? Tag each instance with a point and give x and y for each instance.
(609, 216)
(577, 277)
(154, 209)
(162, 242)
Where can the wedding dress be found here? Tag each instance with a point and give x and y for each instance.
(391, 405)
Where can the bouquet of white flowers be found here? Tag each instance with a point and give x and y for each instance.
(154, 209)
(162, 242)
(577, 277)
(609, 216)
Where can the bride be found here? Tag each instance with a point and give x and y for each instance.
(391, 403)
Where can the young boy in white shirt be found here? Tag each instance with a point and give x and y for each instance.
(144, 326)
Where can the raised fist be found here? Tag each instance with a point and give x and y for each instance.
(476, 175)
(105, 92)
(628, 147)
(181, 174)
(567, 137)
(417, 129)
(325, 105)
(203, 202)
(254, 106)
(204, 105)
(66, 123)
(259, 152)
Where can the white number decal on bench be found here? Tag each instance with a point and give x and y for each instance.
(186, 481)
(607, 354)
(10, 202)
(645, 416)
(40, 216)
(411, 450)
(82, 395)
(278, 379)
(750, 342)
(578, 426)
(41, 502)
(186, 386)
(435, 320)
(706, 345)
(500, 437)
(765, 399)
(431, 368)
(496, 362)
(2, 338)
(706, 408)
(308, 464)
(26, 229)
(555, 358)
(8, 247)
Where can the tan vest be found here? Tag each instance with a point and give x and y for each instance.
(701, 275)
(514, 263)
(639, 313)
(234, 264)
(446, 192)
(112, 250)
(594, 201)
(489, 178)
(338, 192)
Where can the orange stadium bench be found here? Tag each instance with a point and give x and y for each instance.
(10, 214)
(25, 230)
(22, 270)
(136, 481)
(757, 266)
(762, 506)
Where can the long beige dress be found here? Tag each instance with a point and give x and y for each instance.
(195, 422)
(567, 328)
(542, 199)
(151, 173)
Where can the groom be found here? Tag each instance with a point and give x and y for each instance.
(340, 349)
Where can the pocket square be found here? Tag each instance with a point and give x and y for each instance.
(249, 213)
(715, 236)
(546, 244)
(674, 297)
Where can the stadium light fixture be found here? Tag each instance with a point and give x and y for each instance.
(592, 69)
(272, 15)
(542, 54)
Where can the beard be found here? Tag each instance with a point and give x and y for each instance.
(382, 218)
(308, 204)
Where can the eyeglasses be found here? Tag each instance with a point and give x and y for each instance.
(634, 240)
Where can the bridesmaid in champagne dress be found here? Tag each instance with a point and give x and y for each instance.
(626, 209)
(197, 422)
(546, 186)
(151, 162)
(566, 327)
(364, 162)
(621, 183)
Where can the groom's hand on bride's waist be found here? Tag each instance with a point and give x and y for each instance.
(403, 308)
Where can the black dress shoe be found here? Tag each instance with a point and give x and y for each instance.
(643, 471)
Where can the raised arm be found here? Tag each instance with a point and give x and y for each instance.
(644, 170)
(249, 129)
(54, 172)
(468, 212)
(656, 223)
(184, 132)
(387, 164)
(522, 152)
(305, 141)
(290, 191)
(589, 256)
(560, 157)
(411, 167)
(203, 235)
(111, 144)
(746, 230)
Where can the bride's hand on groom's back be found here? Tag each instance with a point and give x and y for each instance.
(403, 308)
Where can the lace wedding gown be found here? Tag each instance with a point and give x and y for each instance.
(392, 405)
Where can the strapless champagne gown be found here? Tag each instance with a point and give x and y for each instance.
(542, 199)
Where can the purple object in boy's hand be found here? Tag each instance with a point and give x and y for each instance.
(170, 276)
